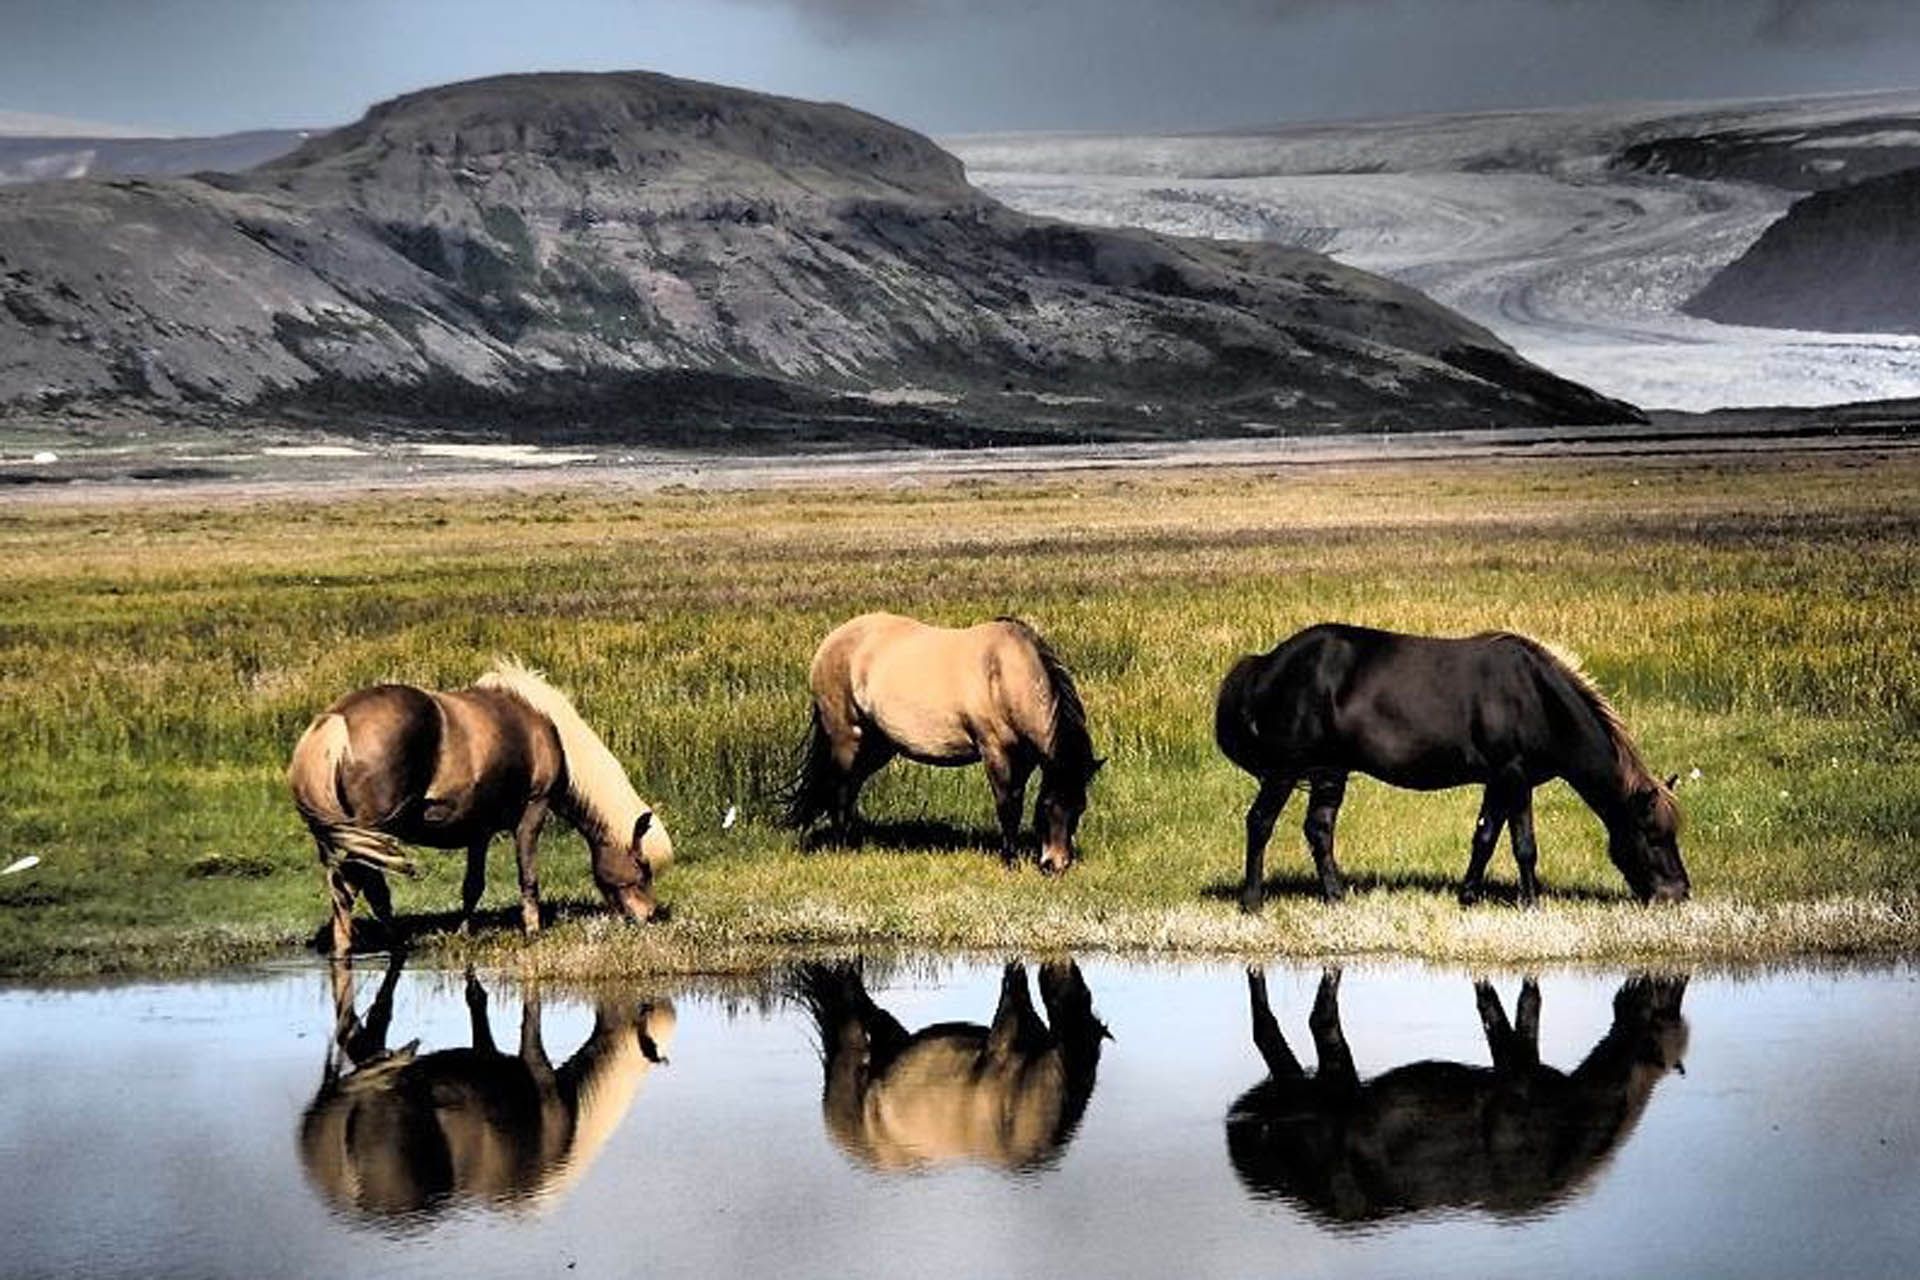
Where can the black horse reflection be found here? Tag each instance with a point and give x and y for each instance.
(1009, 1095)
(1512, 1140)
(398, 1134)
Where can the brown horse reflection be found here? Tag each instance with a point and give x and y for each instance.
(1009, 1095)
(1511, 1140)
(399, 1134)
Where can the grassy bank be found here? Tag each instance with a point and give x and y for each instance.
(1756, 619)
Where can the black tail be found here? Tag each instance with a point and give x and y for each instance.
(808, 796)
(845, 1016)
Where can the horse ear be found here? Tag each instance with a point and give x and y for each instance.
(1673, 780)
(1099, 763)
(640, 825)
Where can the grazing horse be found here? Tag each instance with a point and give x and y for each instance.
(401, 1134)
(884, 685)
(1499, 710)
(450, 770)
(1510, 1140)
(1008, 1096)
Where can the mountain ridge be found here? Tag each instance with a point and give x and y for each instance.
(550, 244)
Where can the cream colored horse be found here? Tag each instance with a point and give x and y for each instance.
(995, 694)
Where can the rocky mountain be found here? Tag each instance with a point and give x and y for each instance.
(1842, 261)
(638, 254)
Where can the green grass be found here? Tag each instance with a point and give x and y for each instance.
(1756, 620)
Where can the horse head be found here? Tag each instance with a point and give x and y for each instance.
(1643, 841)
(1056, 814)
(624, 869)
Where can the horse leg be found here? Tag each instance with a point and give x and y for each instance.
(1007, 776)
(373, 886)
(477, 1015)
(1486, 834)
(474, 885)
(526, 843)
(1329, 1039)
(1281, 1064)
(1526, 1025)
(1493, 1021)
(1261, 815)
(533, 1050)
(1525, 852)
(858, 755)
(1323, 809)
(1014, 1020)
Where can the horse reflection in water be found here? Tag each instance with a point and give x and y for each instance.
(1512, 1140)
(1008, 1096)
(402, 1134)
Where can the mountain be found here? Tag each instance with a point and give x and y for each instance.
(637, 254)
(1842, 261)
(1577, 234)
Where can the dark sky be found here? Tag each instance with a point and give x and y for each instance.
(951, 65)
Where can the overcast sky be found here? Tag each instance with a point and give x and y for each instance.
(949, 66)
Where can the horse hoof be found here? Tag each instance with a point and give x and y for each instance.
(1468, 897)
(1250, 903)
(1332, 892)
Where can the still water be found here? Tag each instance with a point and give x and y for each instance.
(959, 1118)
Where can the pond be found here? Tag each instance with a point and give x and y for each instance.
(958, 1117)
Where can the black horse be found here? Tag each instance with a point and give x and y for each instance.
(1511, 1140)
(1499, 710)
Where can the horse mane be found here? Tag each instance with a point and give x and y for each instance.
(1633, 766)
(598, 788)
(1069, 730)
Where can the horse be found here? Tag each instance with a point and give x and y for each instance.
(996, 693)
(451, 769)
(1498, 709)
(398, 1134)
(1510, 1140)
(1008, 1096)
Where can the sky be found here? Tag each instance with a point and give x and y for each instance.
(951, 66)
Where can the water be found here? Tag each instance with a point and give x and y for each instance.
(1768, 1126)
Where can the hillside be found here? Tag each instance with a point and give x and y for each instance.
(632, 253)
(1840, 261)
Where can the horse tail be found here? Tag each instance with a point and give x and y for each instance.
(314, 777)
(809, 793)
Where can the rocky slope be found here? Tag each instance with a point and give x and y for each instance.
(627, 252)
(1841, 261)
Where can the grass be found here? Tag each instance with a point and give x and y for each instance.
(1755, 618)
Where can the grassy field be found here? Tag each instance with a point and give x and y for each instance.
(1756, 619)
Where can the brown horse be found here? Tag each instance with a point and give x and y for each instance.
(885, 685)
(452, 769)
(1510, 1140)
(400, 1134)
(1009, 1095)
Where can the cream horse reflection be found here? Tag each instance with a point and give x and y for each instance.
(1009, 1095)
(397, 1133)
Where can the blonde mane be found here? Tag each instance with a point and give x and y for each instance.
(598, 790)
(1633, 766)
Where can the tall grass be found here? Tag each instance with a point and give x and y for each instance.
(1755, 621)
